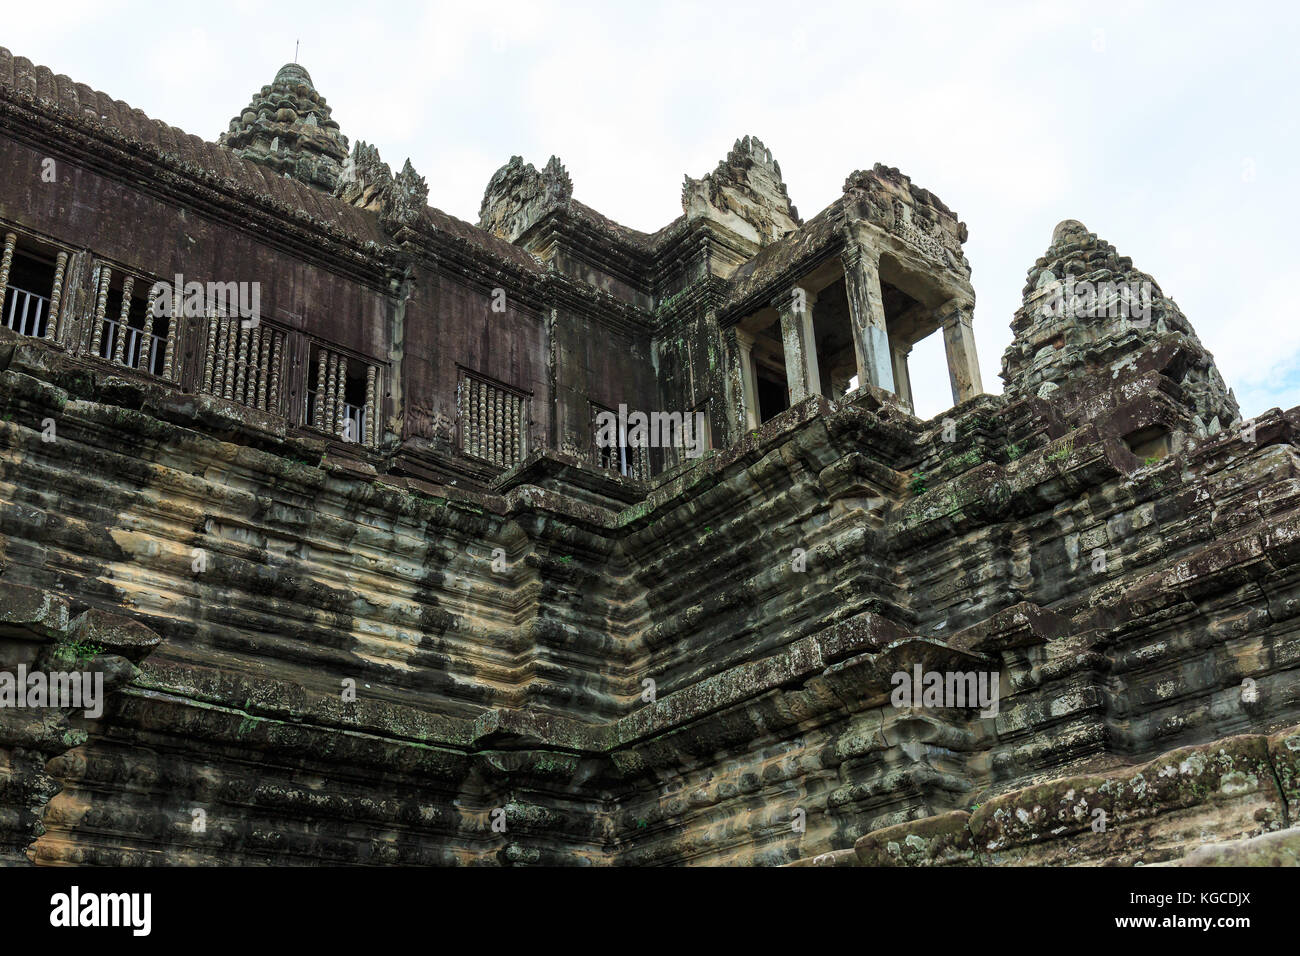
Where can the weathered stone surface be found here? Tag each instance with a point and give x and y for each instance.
(745, 194)
(1158, 813)
(518, 196)
(287, 127)
(943, 840)
(464, 637)
(36, 634)
(1269, 849)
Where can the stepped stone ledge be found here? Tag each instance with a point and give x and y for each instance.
(363, 583)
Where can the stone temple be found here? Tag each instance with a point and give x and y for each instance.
(363, 584)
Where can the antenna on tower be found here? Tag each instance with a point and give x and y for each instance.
(295, 50)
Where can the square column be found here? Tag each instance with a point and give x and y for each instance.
(867, 315)
(959, 344)
(899, 351)
(801, 372)
(748, 386)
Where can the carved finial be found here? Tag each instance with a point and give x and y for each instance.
(1069, 229)
(518, 195)
(557, 179)
(410, 195)
(365, 179)
(287, 127)
(745, 193)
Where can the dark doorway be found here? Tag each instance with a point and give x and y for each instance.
(773, 395)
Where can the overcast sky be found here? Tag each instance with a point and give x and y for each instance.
(1170, 129)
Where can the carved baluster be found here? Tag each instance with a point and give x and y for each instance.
(210, 354)
(473, 414)
(56, 297)
(514, 430)
(369, 436)
(498, 427)
(6, 263)
(101, 306)
(507, 436)
(503, 425)
(340, 411)
(250, 379)
(318, 413)
(123, 321)
(467, 413)
(231, 355)
(476, 409)
(254, 365)
(146, 335)
(470, 414)
(507, 449)
(241, 362)
(490, 452)
(263, 368)
(219, 360)
(273, 389)
(173, 335)
(340, 405)
(327, 419)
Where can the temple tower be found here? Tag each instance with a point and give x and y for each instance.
(1086, 308)
(287, 127)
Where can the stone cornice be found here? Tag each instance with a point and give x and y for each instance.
(148, 168)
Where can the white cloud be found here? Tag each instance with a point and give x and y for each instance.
(1134, 118)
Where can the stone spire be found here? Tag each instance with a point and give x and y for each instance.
(518, 195)
(745, 193)
(1086, 308)
(287, 126)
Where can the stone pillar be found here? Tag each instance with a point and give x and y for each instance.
(123, 321)
(273, 389)
(899, 351)
(264, 367)
(328, 421)
(219, 360)
(102, 279)
(56, 298)
(959, 343)
(231, 356)
(340, 407)
(748, 384)
(173, 336)
(241, 361)
(146, 344)
(322, 392)
(369, 436)
(867, 316)
(254, 365)
(6, 263)
(801, 371)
